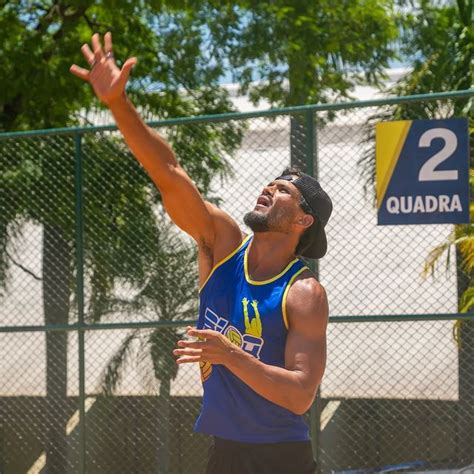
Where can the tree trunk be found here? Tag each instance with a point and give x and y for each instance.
(164, 417)
(56, 261)
(466, 379)
(466, 393)
(298, 94)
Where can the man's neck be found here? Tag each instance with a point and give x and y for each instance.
(268, 254)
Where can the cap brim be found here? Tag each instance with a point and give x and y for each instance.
(319, 245)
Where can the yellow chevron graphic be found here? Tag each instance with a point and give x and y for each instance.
(389, 140)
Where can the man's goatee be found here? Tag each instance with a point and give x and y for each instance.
(257, 222)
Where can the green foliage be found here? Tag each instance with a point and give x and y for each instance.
(438, 40)
(467, 300)
(39, 41)
(462, 237)
(303, 51)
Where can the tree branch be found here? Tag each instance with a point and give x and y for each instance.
(19, 265)
(94, 25)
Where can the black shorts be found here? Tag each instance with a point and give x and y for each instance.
(232, 457)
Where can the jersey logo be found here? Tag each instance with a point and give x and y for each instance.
(250, 342)
(254, 326)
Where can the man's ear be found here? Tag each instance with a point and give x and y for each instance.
(306, 220)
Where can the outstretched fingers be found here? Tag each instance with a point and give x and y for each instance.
(80, 72)
(89, 57)
(187, 354)
(193, 344)
(202, 333)
(108, 43)
(97, 47)
(125, 71)
(107, 79)
(191, 351)
(88, 54)
(188, 359)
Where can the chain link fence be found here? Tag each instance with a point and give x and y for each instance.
(96, 287)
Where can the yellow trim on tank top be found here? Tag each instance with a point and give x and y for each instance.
(264, 282)
(285, 295)
(221, 262)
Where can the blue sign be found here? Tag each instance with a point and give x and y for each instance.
(422, 171)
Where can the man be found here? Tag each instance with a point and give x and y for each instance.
(261, 342)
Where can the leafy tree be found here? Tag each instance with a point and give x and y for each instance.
(305, 52)
(438, 41)
(41, 40)
(302, 52)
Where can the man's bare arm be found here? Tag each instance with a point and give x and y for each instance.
(181, 198)
(294, 386)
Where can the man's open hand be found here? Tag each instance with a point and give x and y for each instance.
(107, 80)
(211, 346)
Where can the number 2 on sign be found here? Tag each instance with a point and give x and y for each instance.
(428, 171)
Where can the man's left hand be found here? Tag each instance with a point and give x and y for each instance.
(211, 346)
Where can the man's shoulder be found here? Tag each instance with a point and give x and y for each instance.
(306, 284)
(307, 299)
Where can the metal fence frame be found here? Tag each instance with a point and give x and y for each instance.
(311, 146)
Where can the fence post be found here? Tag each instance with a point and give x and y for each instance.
(80, 296)
(312, 170)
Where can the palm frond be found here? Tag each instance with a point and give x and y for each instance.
(465, 241)
(115, 367)
(101, 284)
(169, 294)
(434, 257)
(466, 303)
(128, 307)
(162, 341)
(462, 237)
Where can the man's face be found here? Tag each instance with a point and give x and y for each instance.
(277, 208)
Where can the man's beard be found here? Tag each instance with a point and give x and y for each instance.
(257, 222)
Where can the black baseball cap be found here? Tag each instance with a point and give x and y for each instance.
(320, 205)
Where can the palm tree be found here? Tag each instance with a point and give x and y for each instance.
(169, 294)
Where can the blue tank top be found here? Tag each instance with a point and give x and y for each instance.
(252, 315)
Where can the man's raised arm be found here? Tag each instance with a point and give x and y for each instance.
(181, 197)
